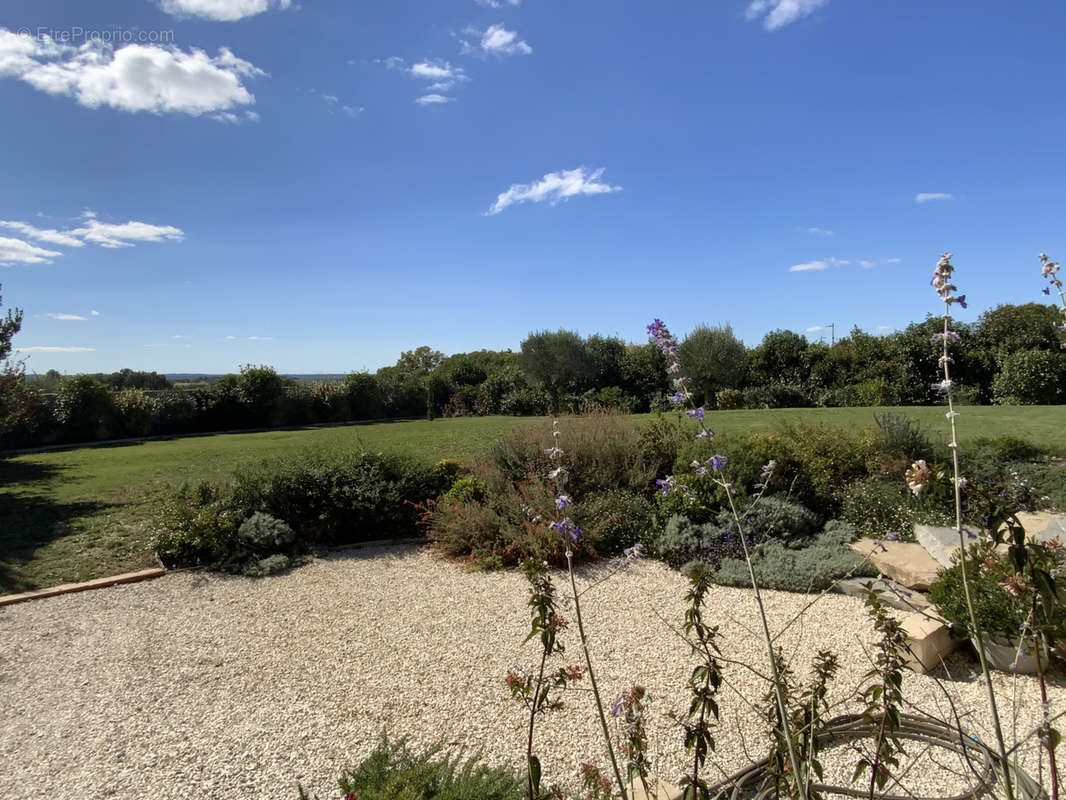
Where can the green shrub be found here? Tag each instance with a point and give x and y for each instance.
(134, 412)
(1030, 377)
(661, 439)
(1007, 448)
(469, 489)
(600, 451)
(614, 519)
(84, 409)
(196, 526)
(730, 399)
(773, 517)
(394, 772)
(329, 402)
(1048, 481)
(809, 565)
(339, 497)
(698, 501)
(881, 505)
(825, 460)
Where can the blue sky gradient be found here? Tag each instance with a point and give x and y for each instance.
(300, 207)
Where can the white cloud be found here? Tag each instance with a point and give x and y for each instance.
(124, 235)
(819, 232)
(810, 266)
(221, 10)
(553, 187)
(260, 338)
(499, 41)
(231, 337)
(94, 313)
(776, 14)
(498, 3)
(815, 329)
(50, 349)
(57, 315)
(352, 112)
(132, 78)
(16, 250)
(865, 264)
(893, 260)
(433, 99)
(929, 197)
(443, 75)
(49, 235)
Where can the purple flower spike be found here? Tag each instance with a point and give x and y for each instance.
(676, 398)
(717, 462)
(562, 501)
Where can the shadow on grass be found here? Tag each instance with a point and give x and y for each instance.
(30, 519)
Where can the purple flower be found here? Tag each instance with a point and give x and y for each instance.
(565, 527)
(716, 462)
(695, 412)
(553, 452)
(943, 387)
(676, 398)
(555, 473)
(616, 706)
(634, 552)
(1046, 290)
(706, 433)
(666, 484)
(892, 536)
(961, 300)
(562, 501)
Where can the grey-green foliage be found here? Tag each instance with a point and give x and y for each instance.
(800, 565)
(263, 532)
(394, 772)
(772, 518)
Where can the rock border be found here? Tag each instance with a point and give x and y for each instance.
(96, 583)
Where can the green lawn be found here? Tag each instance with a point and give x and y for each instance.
(79, 514)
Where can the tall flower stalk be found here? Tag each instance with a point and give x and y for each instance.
(942, 283)
(1050, 270)
(682, 395)
(570, 533)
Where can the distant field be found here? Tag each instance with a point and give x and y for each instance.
(79, 514)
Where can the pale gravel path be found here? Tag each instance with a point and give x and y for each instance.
(212, 687)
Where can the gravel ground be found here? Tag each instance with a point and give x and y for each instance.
(217, 687)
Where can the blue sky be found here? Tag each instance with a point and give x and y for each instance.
(190, 185)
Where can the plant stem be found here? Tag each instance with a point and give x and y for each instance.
(592, 676)
(779, 692)
(532, 719)
(1052, 766)
(1005, 769)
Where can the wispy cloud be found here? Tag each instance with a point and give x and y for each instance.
(553, 187)
(819, 232)
(333, 103)
(60, 315)
(810, 266)
(94, 313)
(134, 77)
(221, 10)
(124, 235)
(49, 235)
(16, 251)
(776, 14)
(495, 40)
(931, 197)
(498, 3)
(433, 99)
(865, 264)
(50, 349)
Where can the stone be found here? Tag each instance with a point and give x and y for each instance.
(660, 790)
(928, 640)
(941, 543)
(892, 593)
(904, 562)
(1056, 529)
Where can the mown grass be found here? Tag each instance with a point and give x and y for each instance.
(79, 514)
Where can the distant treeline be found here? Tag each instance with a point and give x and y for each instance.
(1012, 354)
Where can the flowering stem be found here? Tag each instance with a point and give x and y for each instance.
(532, 720)
(1049, 742)
(944, 289)
(779, 691)
(592, 676)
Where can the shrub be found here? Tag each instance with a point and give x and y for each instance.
(393, 772)
(698, 501)
(259, 389)
(730, 399)
(84, 409)
(1048, 481)
(615, 519)
(684, 540)
(339, 497)
(601, 451)
(175, 412)
(468, 489)
(197, 526)
(776, 395)
(134, 411)
(1008, 448)
(1030, 377)
(809, 565)
(881, 505)
(901, 437)
(364, 396)
(660, 440)
(329, 401)
(826, 460)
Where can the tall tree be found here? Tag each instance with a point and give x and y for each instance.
(714, 359)
(557, 361)
(11, 372)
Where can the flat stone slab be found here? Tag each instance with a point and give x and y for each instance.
(98, 583)
(660, 790)
(1044, 525)
(904, 562)
(942, 543)
(928, 640)
(892, 593)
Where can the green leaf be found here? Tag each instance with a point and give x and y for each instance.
(534, 773)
